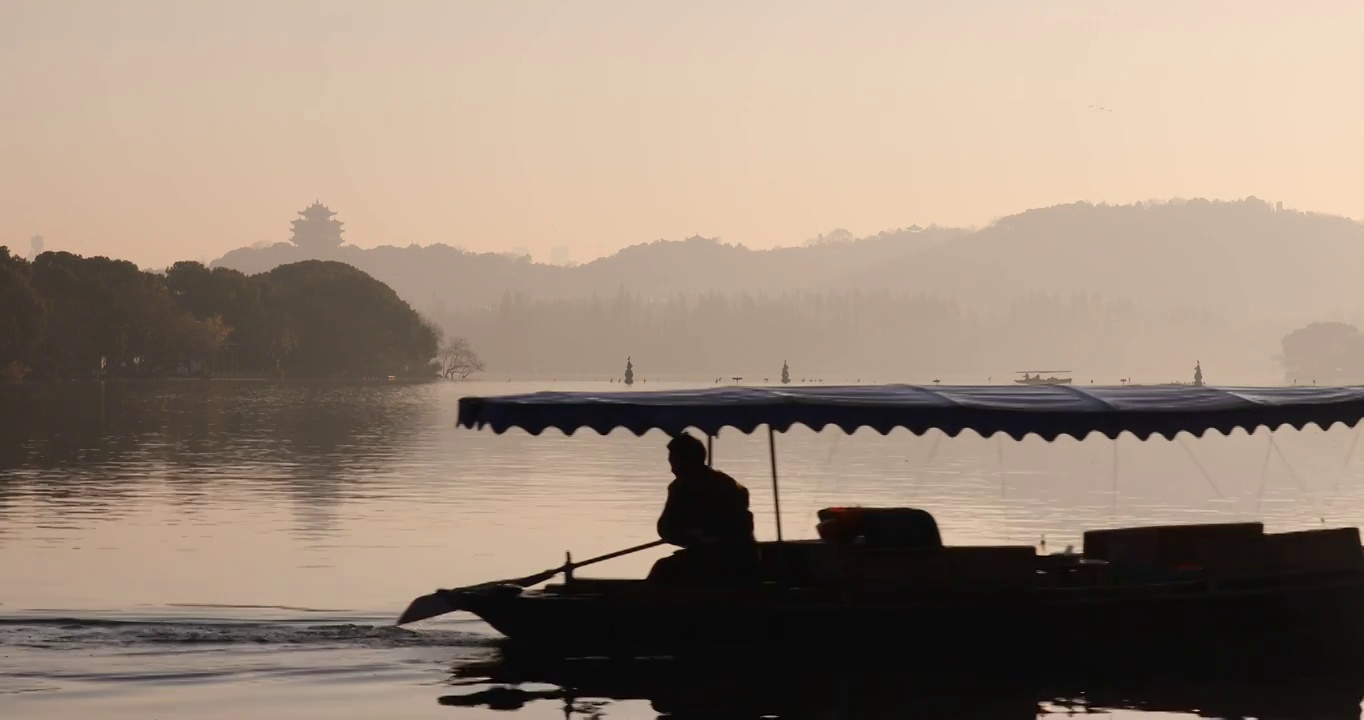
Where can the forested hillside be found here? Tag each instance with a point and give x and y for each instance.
(1138, 290)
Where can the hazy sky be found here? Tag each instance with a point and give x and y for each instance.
(169, 129)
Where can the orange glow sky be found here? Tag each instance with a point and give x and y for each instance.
(162, 129)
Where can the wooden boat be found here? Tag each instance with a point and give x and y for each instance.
(1200, 593)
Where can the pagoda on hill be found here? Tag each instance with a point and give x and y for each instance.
(317, 229)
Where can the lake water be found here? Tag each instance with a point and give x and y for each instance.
(209, 550)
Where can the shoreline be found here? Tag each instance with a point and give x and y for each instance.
(263, 379)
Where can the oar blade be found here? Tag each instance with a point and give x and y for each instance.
(428, 606)
(441, 602)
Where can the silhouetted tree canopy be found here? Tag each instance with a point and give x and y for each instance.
(1325, 352)
(458, 360)
(22, 316)
(340, 321)
(62, 314)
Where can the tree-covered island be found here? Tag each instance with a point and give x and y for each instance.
(63, 316)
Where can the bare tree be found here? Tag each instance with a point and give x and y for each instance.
(458, 359)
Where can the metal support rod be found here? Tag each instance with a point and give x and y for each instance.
(1264, 473)
(1345, 464)
(999, 464)
(1116, 438)
(710, 450)
(776, 495)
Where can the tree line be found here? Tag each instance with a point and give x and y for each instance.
(63, 316)
(1323, 352)
(874, 335)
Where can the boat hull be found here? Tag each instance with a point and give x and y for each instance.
(1321, 619)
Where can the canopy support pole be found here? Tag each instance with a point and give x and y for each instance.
(1345, 464)
(776, 495)
(1114, 508)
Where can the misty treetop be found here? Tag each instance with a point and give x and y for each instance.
(1324, 352)
(872, 335)
(61, 315)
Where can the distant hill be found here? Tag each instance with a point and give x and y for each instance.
(454, 278)
(1113, 290)
(1242, 259)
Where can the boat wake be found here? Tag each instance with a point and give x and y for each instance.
(46, 654)
(56, 633)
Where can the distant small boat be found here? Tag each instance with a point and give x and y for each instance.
(1034, 377)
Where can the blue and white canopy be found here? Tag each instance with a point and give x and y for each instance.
(1048, 411)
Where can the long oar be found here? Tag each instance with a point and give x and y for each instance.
(441, 602)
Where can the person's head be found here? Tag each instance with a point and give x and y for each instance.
(685, 453)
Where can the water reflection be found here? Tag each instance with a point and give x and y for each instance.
(849, 687)
(299, 493)
(98, 443)
(96, 449)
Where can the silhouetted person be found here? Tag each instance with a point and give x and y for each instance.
(707, 516)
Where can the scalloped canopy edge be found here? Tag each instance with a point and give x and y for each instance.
(1047, 411)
